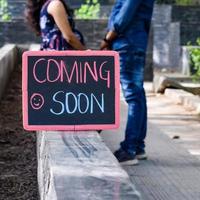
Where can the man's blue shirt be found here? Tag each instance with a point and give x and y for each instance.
(131, 19)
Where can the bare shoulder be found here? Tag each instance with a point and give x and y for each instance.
(55, 6)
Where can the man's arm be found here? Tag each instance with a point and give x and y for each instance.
(121, 22)
(125, 15)
(107, 41)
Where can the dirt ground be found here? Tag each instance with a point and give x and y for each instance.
(18, 162)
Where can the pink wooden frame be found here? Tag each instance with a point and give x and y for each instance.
(68, 127)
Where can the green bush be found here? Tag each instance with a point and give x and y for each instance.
(195, 60)
(4, 13)
(185, 2)
(178, 2)
(89, 10)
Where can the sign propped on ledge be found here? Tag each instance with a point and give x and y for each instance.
(70, 90)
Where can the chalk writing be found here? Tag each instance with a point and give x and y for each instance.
(65, 73)
(37, 101)
(89, 102)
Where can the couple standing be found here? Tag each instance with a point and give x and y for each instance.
(128, 31)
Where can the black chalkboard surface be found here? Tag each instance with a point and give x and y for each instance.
(70, 90)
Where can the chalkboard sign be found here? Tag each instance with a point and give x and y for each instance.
(70, 90)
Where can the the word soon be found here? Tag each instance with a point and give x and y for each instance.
(81, 103)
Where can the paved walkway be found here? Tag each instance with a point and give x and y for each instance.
(172, 171)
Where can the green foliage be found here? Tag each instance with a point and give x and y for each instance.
(89, 10)
(178, 2)
(195, 60)
(185, 2)
(4, 13)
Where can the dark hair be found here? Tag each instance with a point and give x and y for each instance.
(32, 13)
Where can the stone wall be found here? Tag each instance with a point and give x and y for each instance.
(166, 38)
(189, 18)
(168, 33)
(17, 32)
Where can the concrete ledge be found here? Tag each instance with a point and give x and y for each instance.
(8, 60)
(78, 165)
(178, 81)
(34, 47)
(163, 80)
(184, 98)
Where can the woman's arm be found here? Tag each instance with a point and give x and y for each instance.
(58, 12)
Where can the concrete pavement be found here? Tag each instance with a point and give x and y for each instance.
(188, 100)
(172, 171)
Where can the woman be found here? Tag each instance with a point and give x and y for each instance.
(52, 20)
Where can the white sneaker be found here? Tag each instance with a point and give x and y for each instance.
(141, 156)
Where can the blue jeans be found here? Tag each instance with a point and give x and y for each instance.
(132, 64)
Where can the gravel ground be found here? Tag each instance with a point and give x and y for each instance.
(18, 162)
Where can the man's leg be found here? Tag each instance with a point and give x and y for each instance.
(131, 75)
(142, 135)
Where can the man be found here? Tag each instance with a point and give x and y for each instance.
(128, 31)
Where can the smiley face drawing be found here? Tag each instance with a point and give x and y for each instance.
(37, 101)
